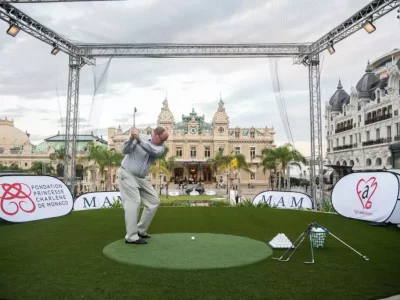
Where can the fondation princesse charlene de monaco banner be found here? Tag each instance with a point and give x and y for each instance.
(26, 198)
(281, 199)
(369, 196)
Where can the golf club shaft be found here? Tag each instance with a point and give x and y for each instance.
(348, 246)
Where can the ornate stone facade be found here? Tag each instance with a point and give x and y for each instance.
(361, 126)
(17, 150)
(193, 141)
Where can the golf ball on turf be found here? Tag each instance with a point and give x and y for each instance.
(193, 238)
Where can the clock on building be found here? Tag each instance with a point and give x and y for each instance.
(221, 129)
(193, 130)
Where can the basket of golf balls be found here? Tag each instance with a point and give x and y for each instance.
(317, 237)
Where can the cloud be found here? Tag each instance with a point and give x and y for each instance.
(33, 83)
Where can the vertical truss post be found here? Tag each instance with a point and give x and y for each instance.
(316, 162)
(71, 125)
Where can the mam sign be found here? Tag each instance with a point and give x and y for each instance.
(369, 196)
(291, 200)
(30, 197)
(96, 200)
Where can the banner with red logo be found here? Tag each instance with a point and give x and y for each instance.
(369, 196)
(33, 197)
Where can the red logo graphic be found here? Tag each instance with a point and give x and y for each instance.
(365, 190)
(8, 203)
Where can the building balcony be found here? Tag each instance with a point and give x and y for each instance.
(343, 129)
(377, 141)
(344, 147)
(378, 119)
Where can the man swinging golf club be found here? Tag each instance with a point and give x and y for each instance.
(140, 152)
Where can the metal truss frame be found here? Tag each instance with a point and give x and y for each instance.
(71, 128)
(316, 160)
(52, 1)
(302, 53)
(190, 50)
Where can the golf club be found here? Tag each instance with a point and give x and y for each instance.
(301, 238)
(312, 254)
(326, 230)
(134, 113)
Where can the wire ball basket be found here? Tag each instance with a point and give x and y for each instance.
(317, 238)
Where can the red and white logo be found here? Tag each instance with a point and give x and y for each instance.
(365, 191)
(15, 197)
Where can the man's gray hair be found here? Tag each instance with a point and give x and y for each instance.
(159, 130)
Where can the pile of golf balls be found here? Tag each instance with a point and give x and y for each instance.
(281, 241)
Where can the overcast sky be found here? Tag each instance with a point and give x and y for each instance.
(33, 83)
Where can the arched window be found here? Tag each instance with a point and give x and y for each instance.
(368, 162)
(378, 161)
(344, 163)
(352, 163)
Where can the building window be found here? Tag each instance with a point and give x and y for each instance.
(237, 150)
(389, 131)
(178, 151)
(344, 140)
(252, 134)
(367, 136)
(359, 119)
(397, 128)
(192, 152)
(368, 162)
(337, 142)
(351, 140)
(252, 152)
(207, 152)
(252, 176)
(237, 134)
(359, 137)
(378, 134)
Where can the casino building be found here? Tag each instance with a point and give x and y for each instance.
(363, 127)
(193, 141)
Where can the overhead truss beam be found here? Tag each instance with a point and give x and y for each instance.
(373, 11)
(190, 50)
(12, 15)
(52, 1)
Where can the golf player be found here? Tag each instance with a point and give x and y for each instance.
(140, 152)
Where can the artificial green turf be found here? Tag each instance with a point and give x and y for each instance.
(179, 251)
(62, 258)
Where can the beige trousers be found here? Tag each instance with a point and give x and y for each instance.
(134, 192)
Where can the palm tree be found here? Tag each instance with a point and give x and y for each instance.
(37, 168)
(281, 158)
(58, 155)
(224, 162)
(169, 163)
(111, 158)
(269, 162)
(95, 153)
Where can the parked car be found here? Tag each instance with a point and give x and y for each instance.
(198, 189)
